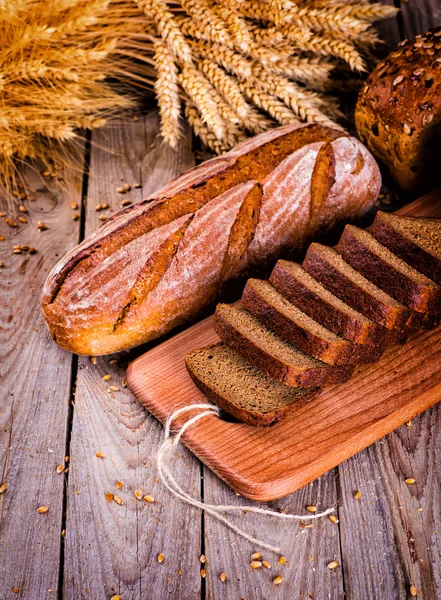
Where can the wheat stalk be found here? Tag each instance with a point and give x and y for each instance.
(199, 90)
(269, 104)
(167, 92)
(226, 86)
(167, 27)
(239, 66)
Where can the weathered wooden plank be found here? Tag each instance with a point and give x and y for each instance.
(388, 544)
(400, 522)
(308, 550)
(389, 30)
(113, 548)
(35, 380)
(420, 15)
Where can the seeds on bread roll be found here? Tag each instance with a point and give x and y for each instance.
(399, 112)
(161, 261)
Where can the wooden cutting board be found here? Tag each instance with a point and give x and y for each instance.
(265, 463)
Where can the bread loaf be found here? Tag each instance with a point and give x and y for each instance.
(228, 373)
(398, 112)
(158, 263)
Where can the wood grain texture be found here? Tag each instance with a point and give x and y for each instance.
(389, 30)
(400, 542)
(398, 549)
(418, 16)
(315, 437)
(308, 550)
(35, 380)
(113, 548)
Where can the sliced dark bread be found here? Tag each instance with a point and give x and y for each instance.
(381, 266)
(328, 267)
(268, 305)
(263, 348)
(323, 306)
(241, 389)
(415, 240)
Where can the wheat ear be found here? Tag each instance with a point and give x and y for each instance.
(326, 46)
(200, 92)
(237, 27)
(209, 139)
(269, 104)
(225, 85)
(327, 20)
(257, 122)
(167, 92)
(231, 61)
(167, 28)
(207, 21)
(304, 103)
(359, 10)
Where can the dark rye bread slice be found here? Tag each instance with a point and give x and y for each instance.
(328, 267)
(266, 350)
(415, 240)
(268, 305)
(319, 303)
(241, 389)
(381, 266)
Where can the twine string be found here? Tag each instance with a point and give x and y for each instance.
(169, 481)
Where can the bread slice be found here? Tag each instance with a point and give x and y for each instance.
(271, 353)
(328, 267)
(241, 389)
(272, 308)
(378, 264)
(319, 303)
(415, 240)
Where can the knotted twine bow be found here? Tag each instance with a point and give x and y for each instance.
(216, 510)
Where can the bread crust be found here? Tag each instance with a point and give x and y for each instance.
(391, 317)
(117, 289)
(273, 366)
(406, 248)
(338, 352)
(420, 297)
(398, 113)
(341, 323)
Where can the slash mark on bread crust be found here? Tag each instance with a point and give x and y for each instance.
(256, 164)
(152, 272)
(242, 231)
(322, 180)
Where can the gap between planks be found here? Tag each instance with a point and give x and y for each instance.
(111, 548)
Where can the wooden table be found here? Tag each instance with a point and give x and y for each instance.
(53, 404)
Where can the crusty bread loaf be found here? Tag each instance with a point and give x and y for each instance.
(398, 113)
(232, 381)
(160, 262)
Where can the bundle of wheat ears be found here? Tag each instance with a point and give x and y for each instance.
(234, 67)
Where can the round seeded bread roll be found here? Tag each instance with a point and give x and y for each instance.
(399, 111)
